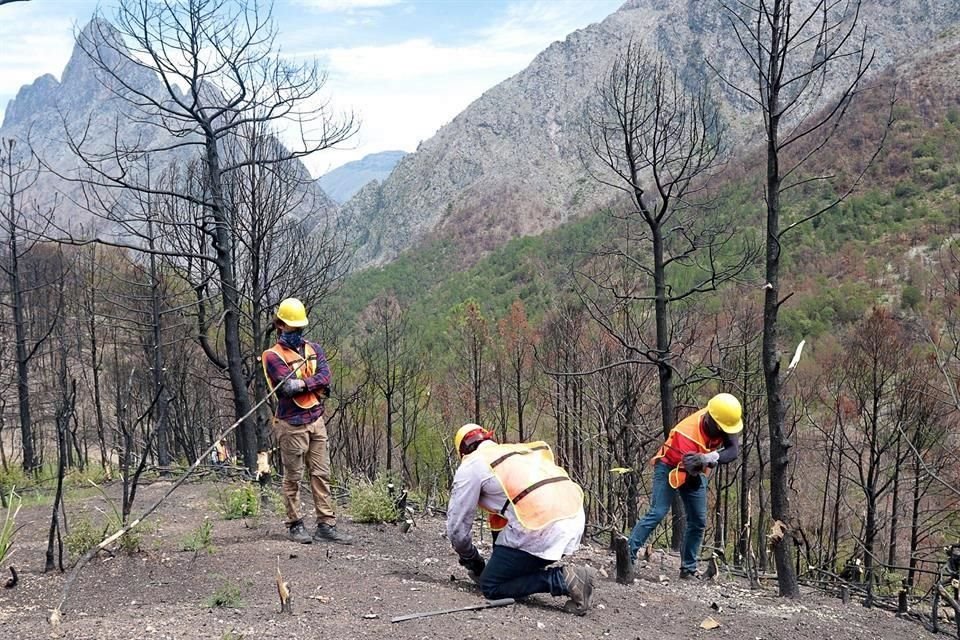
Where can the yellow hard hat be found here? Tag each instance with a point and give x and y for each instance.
(292, 313)
(469, 434)
(726, 411)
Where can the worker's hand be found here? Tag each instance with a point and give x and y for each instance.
(323, 392)
(711, 459)
(473, 562)
(292, 387)
(693, 463)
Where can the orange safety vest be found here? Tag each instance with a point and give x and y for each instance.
(495, 521)
(687, 437)
(304, 367)
(539, 490)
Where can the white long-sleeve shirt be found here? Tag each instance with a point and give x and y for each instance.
(475, 485)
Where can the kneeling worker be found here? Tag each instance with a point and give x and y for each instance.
(541, 513)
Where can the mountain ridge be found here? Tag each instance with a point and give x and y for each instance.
(347, 179)
(511, 163)
(45, 114)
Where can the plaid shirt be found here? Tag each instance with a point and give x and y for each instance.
(277, 370)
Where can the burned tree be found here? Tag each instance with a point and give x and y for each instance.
(16, 179)
(657, 142)
(191, 76)
(797, 54)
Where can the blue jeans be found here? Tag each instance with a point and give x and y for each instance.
(694, 496)
(512, 573)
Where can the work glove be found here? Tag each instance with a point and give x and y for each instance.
(323, 391)
(473, 563)
(693, 463)
(711, 459)
(292, 387)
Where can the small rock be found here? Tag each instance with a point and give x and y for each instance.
(540, 625)
(709, 623)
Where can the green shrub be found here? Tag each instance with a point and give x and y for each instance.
(370, 502)
(240, 502)
(227, 596)
(131, 540)
(272, 500)
(14, 476)
(83, 536)
(905, 189)
(201, 539)
(90, 474)
(910, 297)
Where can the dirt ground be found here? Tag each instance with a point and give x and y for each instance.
(354, 591)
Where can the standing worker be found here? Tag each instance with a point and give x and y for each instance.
(297, 369)
(695, 445)
(540, 511)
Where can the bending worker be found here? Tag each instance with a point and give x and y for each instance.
(540, 514)
(695, 445)
(298, 370)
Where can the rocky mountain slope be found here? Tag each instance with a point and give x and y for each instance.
(512, 163)
(47, 113)
(344, 181)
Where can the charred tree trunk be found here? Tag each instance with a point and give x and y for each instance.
(17, 310)
(63, 418)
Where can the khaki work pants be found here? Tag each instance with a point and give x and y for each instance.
(299, 445)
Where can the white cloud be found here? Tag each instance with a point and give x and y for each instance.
(416, 59)
(330, 6)
(534, 24)
(34, 43)
(405, 91)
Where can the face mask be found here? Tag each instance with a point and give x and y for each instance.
(291, 339)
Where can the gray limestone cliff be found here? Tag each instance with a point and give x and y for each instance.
(511, 163)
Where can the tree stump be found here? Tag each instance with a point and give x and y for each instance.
(624, 561)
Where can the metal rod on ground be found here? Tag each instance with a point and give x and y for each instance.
(489, 604)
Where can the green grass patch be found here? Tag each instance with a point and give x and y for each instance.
(84, 535)
(240, 501)
(226, 596)
(200, 540)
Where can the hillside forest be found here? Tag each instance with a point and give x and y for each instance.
(130, 346)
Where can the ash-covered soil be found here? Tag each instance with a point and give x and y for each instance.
(354, 591)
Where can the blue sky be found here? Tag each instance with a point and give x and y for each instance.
(405, 67)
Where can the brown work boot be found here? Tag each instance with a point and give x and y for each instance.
(329, 533)
(296, 532)
(579, 587)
